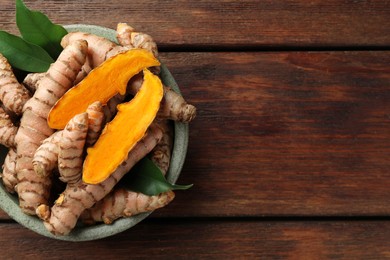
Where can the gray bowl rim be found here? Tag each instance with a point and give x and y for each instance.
(9, 203)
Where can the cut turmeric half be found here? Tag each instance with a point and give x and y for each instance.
(124, 131)
(101, 84)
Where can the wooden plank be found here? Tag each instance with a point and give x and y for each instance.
(213, 240)
(291, 133)
(230, 24)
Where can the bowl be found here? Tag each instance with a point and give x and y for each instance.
(9, 203)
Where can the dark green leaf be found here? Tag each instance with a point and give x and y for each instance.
(36, 27)
(146, 177)
(24, 55)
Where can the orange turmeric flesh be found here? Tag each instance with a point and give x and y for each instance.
(101, 84)
(124, 131)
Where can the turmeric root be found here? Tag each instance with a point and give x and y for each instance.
(101, 84)
(124, 203)
(127, 36)
(9, 173)
(95, 122)
(126, 129)
(7, 130)
(173, 105)
(46, 156)
(70, 160)
(161, 154)
(109, 109)
(31, 81)
(32, 189)
(13, 95)
(62, 217)
(98, 47)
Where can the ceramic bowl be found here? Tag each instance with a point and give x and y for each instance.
(9, 202)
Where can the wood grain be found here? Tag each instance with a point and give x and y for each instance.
(285, 134)
(229, 24)
(214, 240)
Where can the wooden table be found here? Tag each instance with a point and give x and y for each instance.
(289, 154)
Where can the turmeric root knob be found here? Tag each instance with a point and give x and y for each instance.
(124, 203)
(13, 94)
(71, 148)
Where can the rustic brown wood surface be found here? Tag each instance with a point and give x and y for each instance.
(290, 151)
(214, 239)
(235, 24)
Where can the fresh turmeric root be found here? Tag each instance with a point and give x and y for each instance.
(161, 154)
(173, 106)
(7, 130)
(31, 81)
(46, 156)
(127, 36)
(101, 84)
(32, 189)
(70, 160)
(95, 122)
(98, 47)
(9, 173)
(62, 217)
(126, 129)
(41, 151)
(124, 203)
(13, 95)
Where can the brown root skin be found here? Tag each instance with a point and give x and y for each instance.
(80, 196)
(71, 148)
(32, 189)
(124, 203)
(127, 36)
(31, 81)
(46, 156)
(96, 119)
(161, 154)
(13, 94)
(9, 174)
(173, 106)
(7, 130)
(98, 47)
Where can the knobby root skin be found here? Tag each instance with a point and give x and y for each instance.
(127, 36)
(110, 109)
(161, 154)
(96, 119)
(80, 196)
(7, 130)
(13, 95)
(173, 106)
(32, 189)
(98, 47)
(9, 173)
(124, 203)
(85, 70)
(31, 81)
(71, 148)
(46, 156)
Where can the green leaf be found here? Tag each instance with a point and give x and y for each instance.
(146, 177)
(36, 27)
(24, 55)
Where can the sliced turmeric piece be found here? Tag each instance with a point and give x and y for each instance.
(101, 84)
(124, 131)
